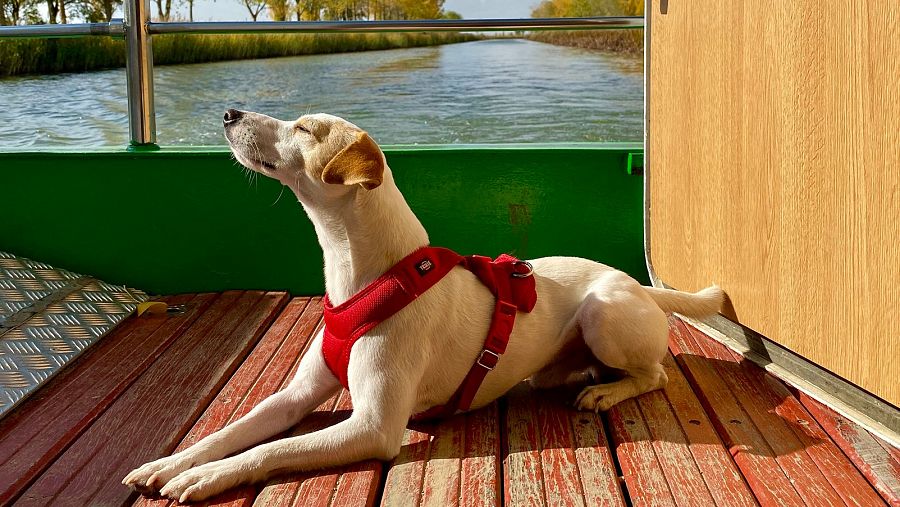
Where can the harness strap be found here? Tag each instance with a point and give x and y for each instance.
(387, 295)
(508, 279)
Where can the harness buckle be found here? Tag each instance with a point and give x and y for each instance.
(491, 357)
(516, 274)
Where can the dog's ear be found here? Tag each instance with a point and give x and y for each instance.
(361, 162)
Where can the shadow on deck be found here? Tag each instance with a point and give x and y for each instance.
(723, 432)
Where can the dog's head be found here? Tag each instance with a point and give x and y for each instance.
(317, 151)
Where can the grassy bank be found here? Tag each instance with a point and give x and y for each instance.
(620, 41)
(49, 56)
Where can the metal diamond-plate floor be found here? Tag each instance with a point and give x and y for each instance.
(48, 316)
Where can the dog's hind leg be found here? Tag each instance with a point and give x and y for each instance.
(312, 385)
(575, 364)
(625, 330)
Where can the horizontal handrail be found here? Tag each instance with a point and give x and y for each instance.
(423, 25)
(115, 28)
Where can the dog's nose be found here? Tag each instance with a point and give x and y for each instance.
(231, 116)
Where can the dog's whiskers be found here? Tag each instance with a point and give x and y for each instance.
(279, 196)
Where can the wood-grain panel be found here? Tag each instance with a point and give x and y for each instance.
(773, 156)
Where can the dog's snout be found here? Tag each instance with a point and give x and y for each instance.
(231, 116)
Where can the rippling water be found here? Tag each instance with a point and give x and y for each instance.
(492, 91)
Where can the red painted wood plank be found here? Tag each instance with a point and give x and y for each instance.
(309, 488)
(672, 449)
(443, 467)
(880, 467)
(751, 452)
(722, 477)
(260, 375)
(595, 464)
(840, 472)
(562, 482)
(35, 434)
(351, 485)
(480, 467)
(406, 475)
(522, 464)
(357, 483)
(761, 403)
(640, 465)
(452, 462)
(152, 416)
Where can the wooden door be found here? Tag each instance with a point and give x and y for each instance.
(774, 170)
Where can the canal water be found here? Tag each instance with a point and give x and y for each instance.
(489, 91)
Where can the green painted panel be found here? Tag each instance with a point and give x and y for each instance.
(187, 220)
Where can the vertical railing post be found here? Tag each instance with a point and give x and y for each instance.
(139, 73)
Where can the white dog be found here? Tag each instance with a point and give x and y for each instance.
(417, 358)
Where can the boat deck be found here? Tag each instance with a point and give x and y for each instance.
(723, 432)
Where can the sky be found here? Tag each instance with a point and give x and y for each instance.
(234, 10)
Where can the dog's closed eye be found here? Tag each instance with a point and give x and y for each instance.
(301, 128)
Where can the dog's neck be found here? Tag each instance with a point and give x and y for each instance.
(363, 234)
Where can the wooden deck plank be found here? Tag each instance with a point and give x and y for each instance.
(599, 478)
(443, 468)
(357, 483)
(35, 434)
(304, 488)
(717, 468)
(787, 438)
(353, 485)
(452, 462)
(406, 475)
(480, 467)
(562, 482)
(152, 416)
(554, 454)
(523, 472)
(880, 467)
(672, 449)
(641, 468)
(838, 470)
(262, 373)
(745, 441)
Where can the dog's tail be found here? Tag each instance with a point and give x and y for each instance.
(705, 302)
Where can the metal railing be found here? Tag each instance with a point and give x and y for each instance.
(137, 30)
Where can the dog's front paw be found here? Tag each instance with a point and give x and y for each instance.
(598, 398)
(151, 476)
(203, 481)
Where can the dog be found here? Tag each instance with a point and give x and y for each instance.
(418, 357)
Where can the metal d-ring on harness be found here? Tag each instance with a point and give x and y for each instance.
(526, 274)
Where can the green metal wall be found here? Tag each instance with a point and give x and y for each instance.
(186, 220)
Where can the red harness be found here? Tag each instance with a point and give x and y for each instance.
(508, 278)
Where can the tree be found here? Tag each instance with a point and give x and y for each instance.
(451, 15)
(11, 11)
(52, 11)
(95, 11)
(308, 10)
(278, 9)
(585, 8)
(254, 7)
(422, 9)
(163, 9)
